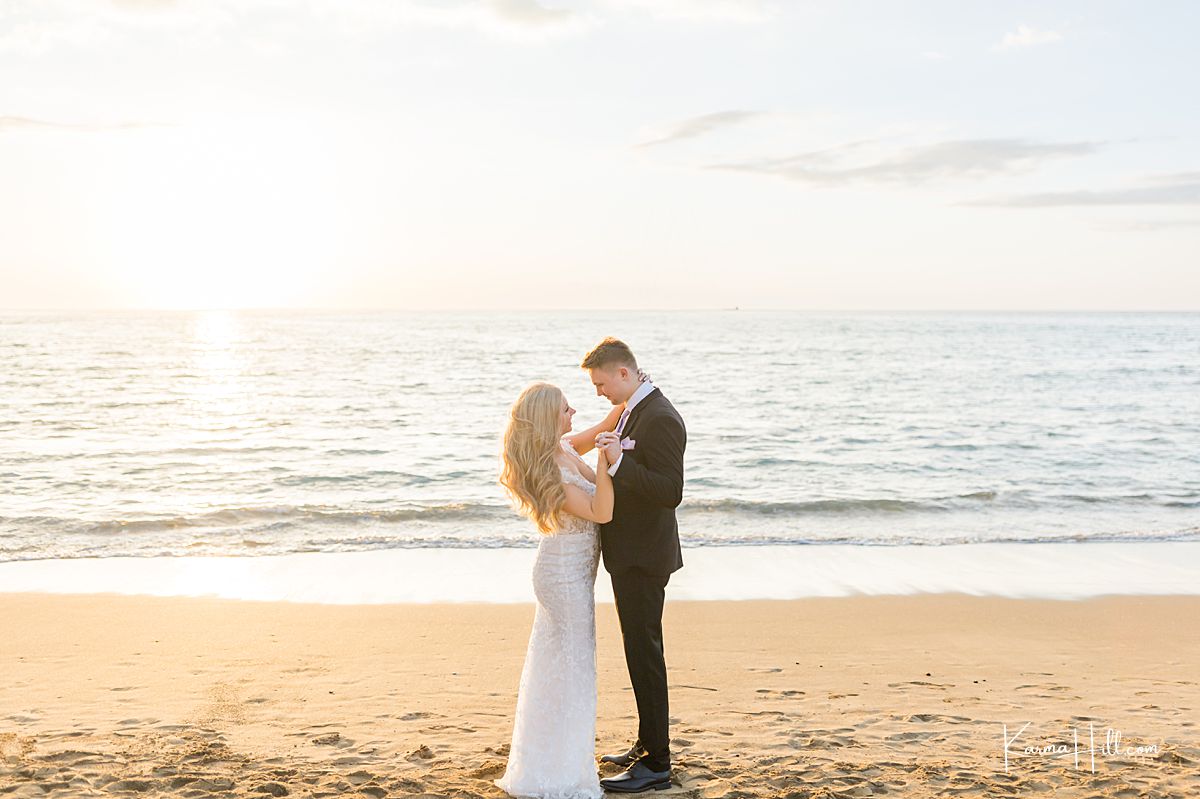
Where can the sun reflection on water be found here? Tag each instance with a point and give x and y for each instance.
(216, 363)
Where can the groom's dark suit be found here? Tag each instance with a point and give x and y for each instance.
(641, 550)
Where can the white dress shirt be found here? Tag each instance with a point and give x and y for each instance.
(637, 396)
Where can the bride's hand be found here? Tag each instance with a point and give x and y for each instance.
(609, 445)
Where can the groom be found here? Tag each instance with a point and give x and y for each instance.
(641, 547)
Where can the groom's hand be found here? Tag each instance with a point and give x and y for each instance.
(611, 444)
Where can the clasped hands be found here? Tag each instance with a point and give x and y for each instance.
(610, 445)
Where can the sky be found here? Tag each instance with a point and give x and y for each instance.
(624, 154)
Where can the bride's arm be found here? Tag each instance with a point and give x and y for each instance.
(586, 471)
(584, 440)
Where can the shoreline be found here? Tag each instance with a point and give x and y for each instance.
(1030, 571)
(836, 696)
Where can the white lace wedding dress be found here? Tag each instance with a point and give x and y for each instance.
(552, 755)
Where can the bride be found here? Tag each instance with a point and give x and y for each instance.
(552, 755)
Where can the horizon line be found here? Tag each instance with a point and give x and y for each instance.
(731, 309)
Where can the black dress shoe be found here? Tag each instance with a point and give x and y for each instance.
(625, 758)
(636, 778)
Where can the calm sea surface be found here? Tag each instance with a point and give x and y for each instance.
(264, 433)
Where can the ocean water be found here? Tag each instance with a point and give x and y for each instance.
(269, 433)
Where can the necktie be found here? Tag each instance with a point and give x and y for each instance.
(621, 422)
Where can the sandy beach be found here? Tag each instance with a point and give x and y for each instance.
(823, 697)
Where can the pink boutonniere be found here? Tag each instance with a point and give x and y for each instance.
(628, 443)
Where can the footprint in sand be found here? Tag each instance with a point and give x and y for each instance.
(327, 740)
(825, 739)
(440, 727)
(1175, 759)
(13, 745)
(489, 770)
(911, 736)
(361, 777)
(788, 693)
(919, 684)
(21, 718)
(420, 754)
(223, 706)
(1056, 691)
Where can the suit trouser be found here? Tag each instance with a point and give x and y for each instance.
(639, 599)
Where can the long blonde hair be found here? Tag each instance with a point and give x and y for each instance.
(529, 470)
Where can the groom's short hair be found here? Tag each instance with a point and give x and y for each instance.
(611, 351)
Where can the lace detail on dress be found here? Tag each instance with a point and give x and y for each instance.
(572, 524)
(553, 750)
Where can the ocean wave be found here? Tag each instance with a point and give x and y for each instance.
(823, 506)
(812, 506)
(217, 450)
(272, 515)
(403, 478)
(472, 515)
(1092, 500)
(943, 539)
(973, 500)
(527, 540)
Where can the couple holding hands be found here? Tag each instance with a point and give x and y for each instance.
(624, 510)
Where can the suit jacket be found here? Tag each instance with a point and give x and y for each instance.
(647, 488)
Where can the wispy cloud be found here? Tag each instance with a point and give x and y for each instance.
(1025, 36)
(518, 19)
(12, 123)
(698, 126)
(748, 11)
(1182, 188)
(34, 27)
(144, 5)
(529, 12)
(968, 158)
(1145, 225)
